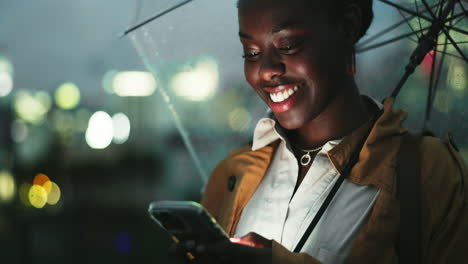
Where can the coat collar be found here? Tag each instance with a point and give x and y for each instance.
(378, 154)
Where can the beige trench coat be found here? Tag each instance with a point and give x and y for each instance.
(444, 193)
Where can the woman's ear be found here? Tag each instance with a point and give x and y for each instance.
(352, 23)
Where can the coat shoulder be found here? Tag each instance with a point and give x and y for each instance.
(443, 171)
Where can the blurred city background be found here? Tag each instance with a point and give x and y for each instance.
(95, 125)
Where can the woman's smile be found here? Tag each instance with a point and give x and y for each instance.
(282, 98)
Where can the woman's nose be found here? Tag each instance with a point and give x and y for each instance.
(271, 67)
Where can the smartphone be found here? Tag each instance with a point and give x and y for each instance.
(187, 221)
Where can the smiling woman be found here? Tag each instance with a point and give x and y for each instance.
(318, 184)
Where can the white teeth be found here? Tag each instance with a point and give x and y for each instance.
(281, 96)
(274, 97)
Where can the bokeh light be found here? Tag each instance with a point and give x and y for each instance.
(37, 196)
(123, 243)
(100, 130)
(19, 131)
(134, 83)
(47, 186)
(40, 179)
(67, 96)
(443, 101)
(6, 83)
(7, 186)
(5, 65)
(239, 119)
(54, 193)
(121, 125)
(197, 82)
(107, 81)
(32, 107)
(456, 76)
(426, 64)
(24, 193)
(42, 192)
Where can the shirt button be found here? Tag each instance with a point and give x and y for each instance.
(231, 183)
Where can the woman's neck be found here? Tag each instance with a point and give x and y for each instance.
(346, 112)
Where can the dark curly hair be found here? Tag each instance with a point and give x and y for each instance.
(337, 9)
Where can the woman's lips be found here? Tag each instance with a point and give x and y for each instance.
(282, 98)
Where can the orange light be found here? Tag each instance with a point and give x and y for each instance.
(40, 179)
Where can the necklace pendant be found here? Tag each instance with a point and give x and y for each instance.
(305, 159)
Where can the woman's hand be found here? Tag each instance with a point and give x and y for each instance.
(251, 248)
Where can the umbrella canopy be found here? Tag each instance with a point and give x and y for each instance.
(193, 51)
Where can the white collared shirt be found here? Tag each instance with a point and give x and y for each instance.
(275, 213)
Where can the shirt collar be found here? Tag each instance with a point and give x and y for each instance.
(265, 132)
(268, 131)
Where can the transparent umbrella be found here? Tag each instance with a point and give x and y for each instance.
(192, 49)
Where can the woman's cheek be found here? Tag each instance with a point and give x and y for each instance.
(250, 73)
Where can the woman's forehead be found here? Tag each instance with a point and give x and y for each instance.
(279, 13)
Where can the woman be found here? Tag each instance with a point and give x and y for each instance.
(299, 58)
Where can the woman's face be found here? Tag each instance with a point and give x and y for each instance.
(294, 57)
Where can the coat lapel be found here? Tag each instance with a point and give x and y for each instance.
(248, 169)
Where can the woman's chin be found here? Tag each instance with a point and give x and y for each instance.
(289, 122)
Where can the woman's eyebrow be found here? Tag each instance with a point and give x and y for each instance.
(290, 23)
(245, 36)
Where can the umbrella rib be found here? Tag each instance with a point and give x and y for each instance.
(430, 91)
(458, 21)
(450, 54)
(455, 44)
(463, 13)
(429, 10)
(417, 10)
(460, 42)
(439, 11)
(464, 10)
(407, 10)
(155, 17)
(430, 101)
(407, 22)
(385, 42)
(457, 30)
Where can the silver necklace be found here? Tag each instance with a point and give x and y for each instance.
(306, 158)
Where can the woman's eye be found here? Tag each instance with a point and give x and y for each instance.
(286, 48)
(290, 48)
(250, 55)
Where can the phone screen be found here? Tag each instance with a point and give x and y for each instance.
(187, 221)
